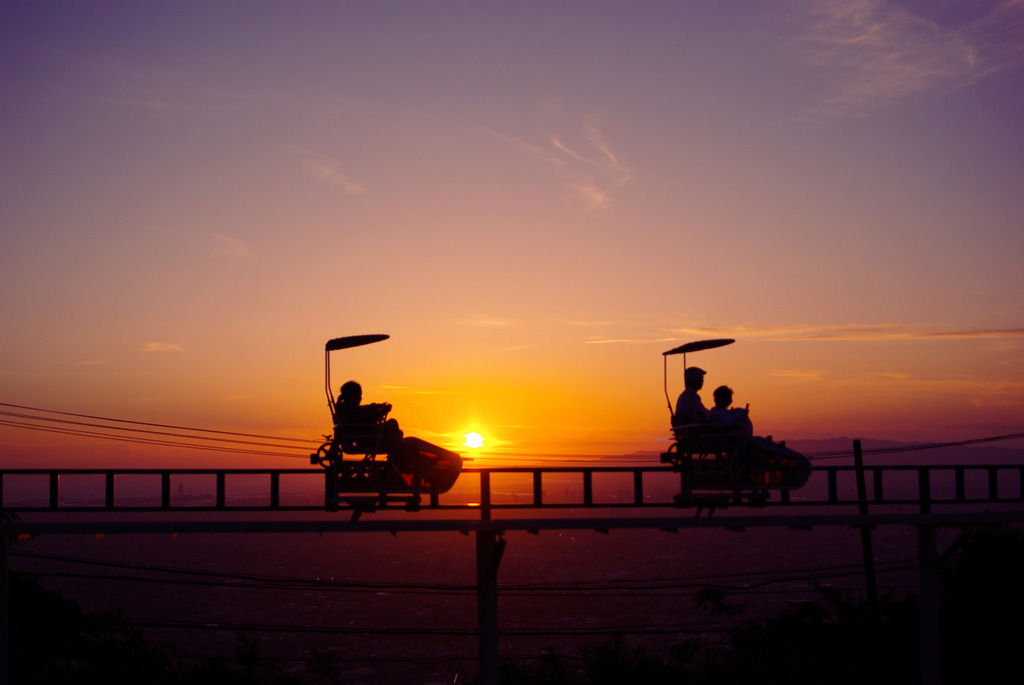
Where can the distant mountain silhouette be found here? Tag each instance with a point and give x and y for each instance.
(840, 451)
(895, 452)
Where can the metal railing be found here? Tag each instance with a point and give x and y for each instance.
(482, 491)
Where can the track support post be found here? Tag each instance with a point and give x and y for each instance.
(928, 572)
(490, 546)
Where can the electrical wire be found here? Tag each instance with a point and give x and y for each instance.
(132, 430)
(145, 441)
(157, 425)
(628, 586)
(450, 632)
(149, 435)
(186, 440)
(837, 454)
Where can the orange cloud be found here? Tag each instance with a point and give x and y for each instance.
(162, 347)
(854, 332)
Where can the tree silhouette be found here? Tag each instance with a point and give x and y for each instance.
(982, 582)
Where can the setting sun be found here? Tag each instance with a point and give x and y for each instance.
(473, 440)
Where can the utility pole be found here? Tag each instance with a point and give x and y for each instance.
(928, 616)
(489, 548)
(865, 532)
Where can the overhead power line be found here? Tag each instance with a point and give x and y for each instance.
(835, 454)
(159, 425)
(197, 438)
(733, 582)
(145, 441)
(147, 433)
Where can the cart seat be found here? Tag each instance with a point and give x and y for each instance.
(706, 439)
(360, 438)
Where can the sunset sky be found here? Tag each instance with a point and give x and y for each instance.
(534, 199)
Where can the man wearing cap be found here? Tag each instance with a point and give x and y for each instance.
(689, 407)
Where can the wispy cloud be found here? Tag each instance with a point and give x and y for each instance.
(227, 247)
(590, 169)
(998, 34)
(487, 322)
(520, 144)
(325, 169)
(855, 332)
(562, 147)
(596, 139)
(594, 197)
(880, 51)
(889, 376)
(586, 324)
(162, 347)
(980, 390)
(800, 375)
(516, 348)
(629, 341)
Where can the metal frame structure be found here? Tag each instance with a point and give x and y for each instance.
(836, 486)
(944, 496)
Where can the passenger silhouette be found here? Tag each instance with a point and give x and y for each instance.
(689, 407)
(725, 415)
(761, 452)
(363, 428)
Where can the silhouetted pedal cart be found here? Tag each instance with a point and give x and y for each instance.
(719, 465)
(369, 465)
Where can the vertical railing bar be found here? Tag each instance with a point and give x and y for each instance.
(876, 478)
(275, 490)
(538, 490)
(924, 489)
(993, 484)
(961, 485)
(109, 490)
(165, 490)
(588, 487)
(833, 486)
(485, 495)
(331, 488)
(638, 487)
(54, 490)
(221, 490)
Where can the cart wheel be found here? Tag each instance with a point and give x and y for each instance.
(326, 455)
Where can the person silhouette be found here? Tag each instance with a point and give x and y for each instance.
(725, 415)
(689, 407)
(363, 428)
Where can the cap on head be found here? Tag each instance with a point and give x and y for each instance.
(693, 373)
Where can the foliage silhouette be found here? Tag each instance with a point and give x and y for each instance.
(982, 583)
(52, 641)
